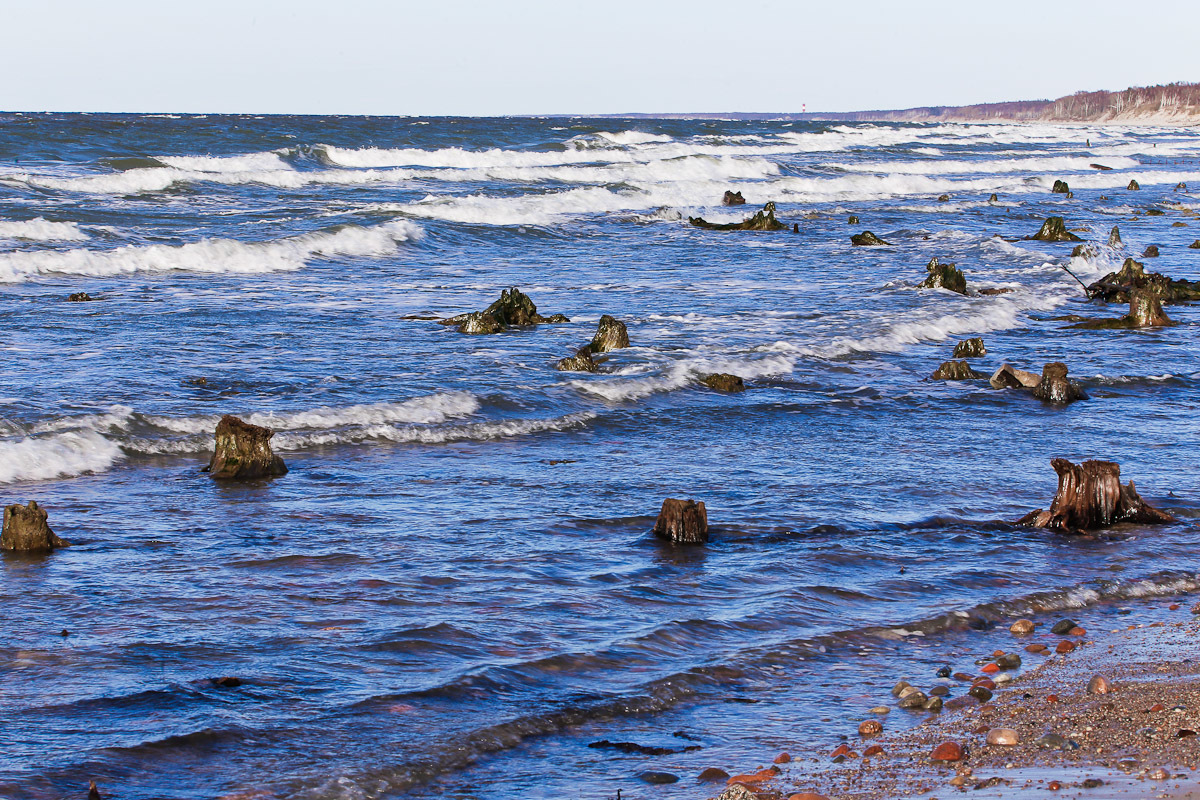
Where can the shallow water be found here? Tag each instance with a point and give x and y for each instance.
(453, 592)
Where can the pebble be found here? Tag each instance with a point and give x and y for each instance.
(713, 774)
(659, 778)
(1159, 774)
(913, 700)
(991, 668)
(1077, 631)
(1065, 646)
(907, 690)
(986, 683)
(1004, 677)
(870, 727)
(961, 702)
(947, 751)
(1099, 685)
(1092, 783)
(980, 693)
(944, 672)
(1022, 627)
(1157, 707)
(1173, 607)
(873, 750)
(933, 704)
(1054, 786)
(900, 687)
(783, 758)
(880, 710)
(940, 691)
(842, 749)
(1008, 661)
(1052, 741)
(755, 777)
(1002, 736)
(1064, 626)
(807, 796)
(1051, 698)
(227, 682)
(1196, 608)
(962, 676)
(1036, 648)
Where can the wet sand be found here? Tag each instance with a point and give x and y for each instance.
(1137, 740)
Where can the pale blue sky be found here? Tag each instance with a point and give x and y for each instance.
(601, 56)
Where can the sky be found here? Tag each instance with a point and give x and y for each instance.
(498, 57)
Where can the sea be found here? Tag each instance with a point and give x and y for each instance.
(455, 591)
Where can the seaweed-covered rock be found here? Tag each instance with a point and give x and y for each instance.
(993, 198)
(956, 371)
(724, 382)
(761, 221)
(944, 276)
(1195, 245)
(943, 198)
(1054, 229)
(80, 297)
(1151, 251)
(582, 361)
(1181, 187)
(514, 308)
(555, 319)
(1055, 387)
(852, 220)
(1090, 496)
(479, 323)
(611, 334)
(866, 239)
(1114, 238)
(1061, 187)
(27, 529)
(243, 452)
(1154, 212)
(682, 521)
(1008, 377)
(970, 348)
(1133, 186)
(1115, 287)
(733, 199)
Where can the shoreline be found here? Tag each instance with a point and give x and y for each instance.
(1132, 735)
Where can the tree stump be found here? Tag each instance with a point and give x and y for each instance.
(1061, 187)
(26, 529)
(944, 276)
(1133, 186)
(1114, 238)
(723, 382)
(682, 521)
(611, 334)
(956, 371)
(582, 361)
(1090, 496)
(732, 198)
(867, 239)
(970, 348)
(1055, 387)
(1054, 229)
(1145, 310)
(760, 221)
(243, 452)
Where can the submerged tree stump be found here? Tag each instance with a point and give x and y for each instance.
(760, 221)
(724, 382)
(682, 521)
(956, 371)
(1061, 187)
(1054, 229)
(1114, 238)
(1055, 387)
(970, 348)
(611, 334)
(582, 361)
(26, 529)
(867, 239)
(732, 198)
(243, 452)
(944, 276)
(1090, 496)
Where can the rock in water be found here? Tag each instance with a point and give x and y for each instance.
(582, 361)
(943, 198)
(724, 382)
(994, 198)
(611, 334)
(1086, 251)
(761, 221)
(956, 371)
(1133, 186)
(866, 239)
(514, 308)
(1054, 229)
(682, 521)
(479, 323)
(852, 220)
(944, 276)
(1054, 386)
(970, 348)
(1011, 378)
(1195, 245)
(80, 297)
(1114, 238)
(733, 199)
(1115, 287)
(1061, 187)
(243, 452)
(26, 529)
(1151, 251)
(1090, 496)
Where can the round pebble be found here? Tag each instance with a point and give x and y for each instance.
(980, 693)
(1063, 626)
(1036, 648)
(870, 727)
(782, 758)
(873, 750)
(879, 710)
(1002, 736)
(713, 774)
(658, 778)
(1008, 661)
(947, 751)
(900, 687)
(1099, 685)
(1022, 627)
(1158, 774)
(1065, 646)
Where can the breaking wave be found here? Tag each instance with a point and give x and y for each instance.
(40, 229)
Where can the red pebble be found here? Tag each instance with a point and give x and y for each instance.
(1036, 648)
(873, 750)
(1054, 786)
(947, 751)
(1065, 646)
(1158, 707)
(753, 777)
(1077, 632)
(991, 668)
(962, 676)
(842, 749)
(1173, 607)
(986, 683)
(1051, 698)
(782, 758)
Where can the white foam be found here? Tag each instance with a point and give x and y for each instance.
(40, 229)
(684, 373)
(248, 162)
(211, 255)
(59, 456)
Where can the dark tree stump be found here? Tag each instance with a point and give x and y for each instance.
(682, 521)
(724, 382)
(733, 199)
(1055, 386)
(1054, 229)
(1061, 187)
(970, 348)
(761, 221)
(1090, 496)
(1133, 186)
(582, 361)
(867, 239)
(1114, 238)
(243, 452)
(611, 334)
(944, 276)
(26, 529)
(956, 371)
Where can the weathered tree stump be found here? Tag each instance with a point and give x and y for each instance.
(1061, 187)
(682, 521)
(513, 308)
(956, 371)
(611, 334)
(761, 221)
(970, 348)
(26, 529)
(733, 199)
(1145, 311)
(944, 276)
(1090, 496)
(1054, 229)
(1133, 186)
(80, 297)
(724, 382)
(243, 452)
(1114, 238)
(582, 361)
(852, 220)
(1055, 387)
(866, 239)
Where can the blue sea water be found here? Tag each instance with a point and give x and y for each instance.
(454, 592)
